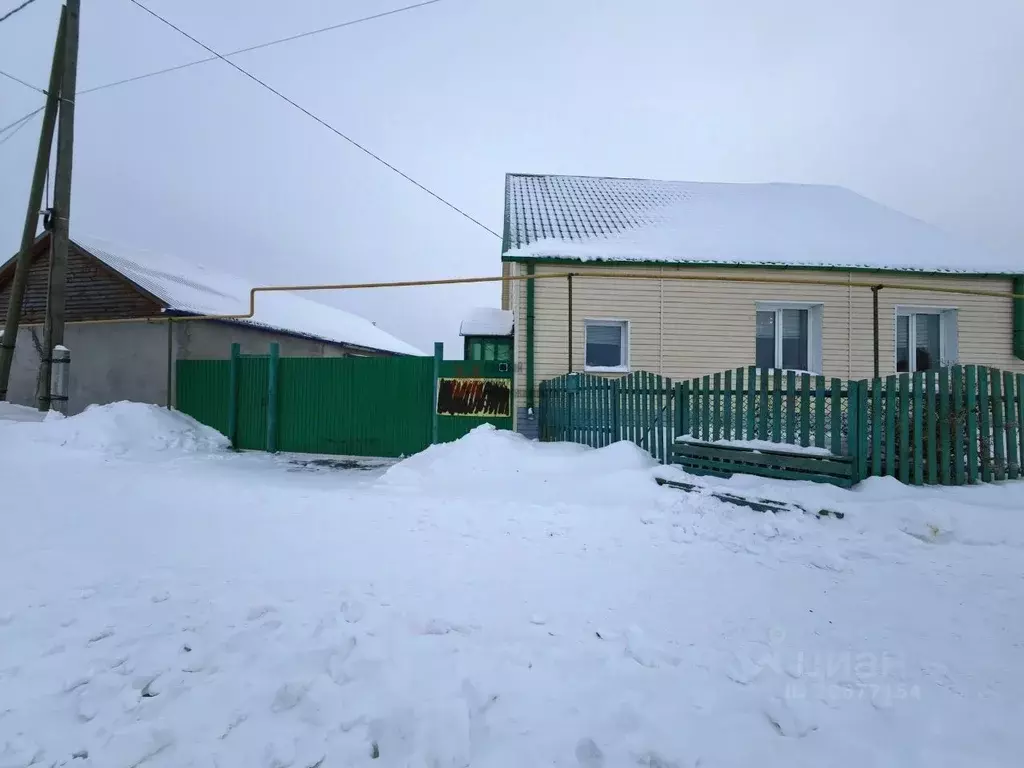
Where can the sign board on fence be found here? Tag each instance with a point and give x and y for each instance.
(486, 398)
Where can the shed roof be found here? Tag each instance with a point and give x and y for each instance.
(591, 218)
(487, 321)
(191, 288)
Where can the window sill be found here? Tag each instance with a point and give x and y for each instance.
(605, 369)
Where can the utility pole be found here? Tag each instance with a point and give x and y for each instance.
(35, 201)
(56, 295)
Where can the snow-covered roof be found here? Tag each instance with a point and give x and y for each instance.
(195, 289)
(486, 321)
(611, 219)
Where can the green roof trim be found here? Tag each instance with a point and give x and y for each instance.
(719, 265)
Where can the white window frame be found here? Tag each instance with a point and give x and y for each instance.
(815, 316)
(624, 340)
(948, 342)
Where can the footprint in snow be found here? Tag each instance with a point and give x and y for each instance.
(258, 612)
(353, 611)
(588, 754)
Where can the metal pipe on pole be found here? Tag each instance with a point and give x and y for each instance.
(35, 202)
(56, 296)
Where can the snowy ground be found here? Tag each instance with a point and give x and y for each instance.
(488, 603)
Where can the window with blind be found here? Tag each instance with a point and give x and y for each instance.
(788, 336)
(926, 339)
(606, 345)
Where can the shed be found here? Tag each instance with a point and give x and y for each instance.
(123, 344)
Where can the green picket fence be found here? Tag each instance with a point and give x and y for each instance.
(598, 411)
(951, 426)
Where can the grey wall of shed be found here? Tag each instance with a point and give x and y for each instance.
(128, 361)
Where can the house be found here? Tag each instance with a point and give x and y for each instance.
(134, 358)
(688, 278)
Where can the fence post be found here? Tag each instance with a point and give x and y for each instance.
(236, 352)
(435, 426)
(616, 412)
(272, 363)
(853, 427)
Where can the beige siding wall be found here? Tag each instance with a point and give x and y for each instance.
(685, 328)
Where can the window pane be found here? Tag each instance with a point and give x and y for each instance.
(489, 351)
(604, 346)
(504, 352)
(474, 351)
(903, 343)
(927, 342)
(794, 339)
(764, 356)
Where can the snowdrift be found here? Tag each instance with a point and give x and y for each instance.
(492, 461)
(119, 428)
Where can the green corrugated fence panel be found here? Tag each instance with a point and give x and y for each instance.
(876, 427)
(1010, 395)
(252, 403)
(890, 426)
(984, 426)
(958, 423)
(945, 460)
(998, 430)
(931, 438)
(971, 394)
(359, 406)
(776, 435)
(790, 405)
(836, 427)
(201, 391)
(904, 419)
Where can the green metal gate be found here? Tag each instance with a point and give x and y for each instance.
(471, 393)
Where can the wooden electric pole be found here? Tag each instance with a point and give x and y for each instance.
(56, 294)
(35, 201)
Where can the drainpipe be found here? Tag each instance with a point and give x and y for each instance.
(530, 268)
(1018, 317)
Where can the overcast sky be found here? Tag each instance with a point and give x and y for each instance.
(918, 104)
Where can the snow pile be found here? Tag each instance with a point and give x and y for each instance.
(120, 428)
(12, 412)
(492, 461)
(487, 321)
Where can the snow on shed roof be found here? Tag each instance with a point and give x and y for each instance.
(198, 290)
(612, 219)
(486, 321)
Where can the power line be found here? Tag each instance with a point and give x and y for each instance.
(18, 126)
(260, 46)
(256, 47)
(21, 119)
(19, 80)
(322, 122)
(13, 11)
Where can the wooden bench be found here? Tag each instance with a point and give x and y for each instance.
(726, 460)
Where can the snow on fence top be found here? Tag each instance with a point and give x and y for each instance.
(486, 321)
(198, 290)
(611, 219)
